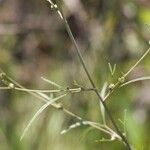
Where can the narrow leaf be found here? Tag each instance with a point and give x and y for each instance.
(135, 80)
(44, 96)
(112, 69)
(103, 93)
(38, 113)
(104, 140)
(51, 82)
(75, 125)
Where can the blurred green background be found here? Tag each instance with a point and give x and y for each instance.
(34, 43)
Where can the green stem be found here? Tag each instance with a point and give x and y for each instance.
(143, 56)
(91, 80)
(56, 105)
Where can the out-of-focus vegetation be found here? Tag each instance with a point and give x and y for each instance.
(34, 43)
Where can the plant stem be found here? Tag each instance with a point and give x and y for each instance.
(60, 107)
(90, 78)
(118, 84)
(143, 56)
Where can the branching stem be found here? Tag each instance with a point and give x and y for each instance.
(60, 107)
(89, 76)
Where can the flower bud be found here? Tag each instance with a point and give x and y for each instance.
(121, 79)
(11, 85)
(111, 86)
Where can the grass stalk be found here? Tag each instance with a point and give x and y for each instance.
(47, 102)
(89, 76)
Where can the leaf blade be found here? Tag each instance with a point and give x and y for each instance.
(38, 113)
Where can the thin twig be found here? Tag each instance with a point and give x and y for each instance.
(143, 56)
(89, 76)
(58, 106)
(118, 84)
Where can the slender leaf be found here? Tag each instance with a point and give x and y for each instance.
(103, 93)
(135, 80)
(38, 113)
(112, 69)
(51, 82)
(75, 125)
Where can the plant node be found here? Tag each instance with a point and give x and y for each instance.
(121, 79)
(11, 85)
(111, 86)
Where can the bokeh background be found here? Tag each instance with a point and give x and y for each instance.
(34, 43)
